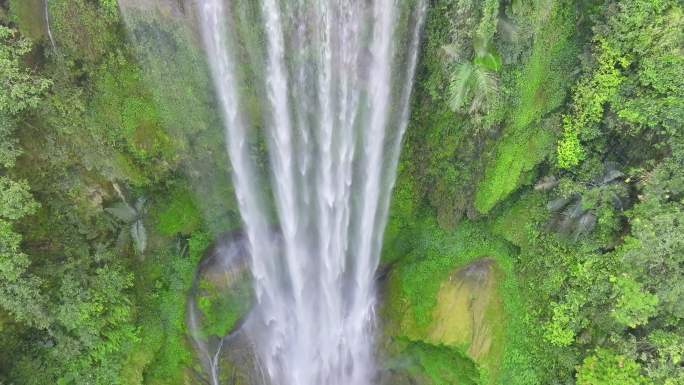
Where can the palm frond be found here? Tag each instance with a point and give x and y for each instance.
(123, 211)
(460, 86)
(485, 86)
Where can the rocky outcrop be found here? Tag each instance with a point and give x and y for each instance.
(468, 309)
(463, 339)
(218, 304)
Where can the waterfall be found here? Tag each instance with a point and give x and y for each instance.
(333, 85)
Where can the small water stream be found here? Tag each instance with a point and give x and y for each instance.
(46, 14)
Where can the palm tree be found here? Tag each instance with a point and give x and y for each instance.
(473, 83)
(471, 87)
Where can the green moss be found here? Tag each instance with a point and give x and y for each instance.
(123, 115)
(178, 214)
(163, 354)
(415, 281)
(125, 169)
(83, 29)
(518, 223)
(515, 156)
(29, 17)
(439, 364)
(223, 308)
(123, 111)
(402, 212)
(541, 87)
(435, 255)
(469, 315)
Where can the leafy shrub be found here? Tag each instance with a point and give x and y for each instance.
(178, 214)
(607, 368)
(634, 305)
(540, 87)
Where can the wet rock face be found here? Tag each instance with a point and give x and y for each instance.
(223, 286)
(239, 364)
(226, 261)
(401, 377)
(220, 301)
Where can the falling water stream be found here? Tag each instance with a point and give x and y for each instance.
(316, 92)
(337, 77)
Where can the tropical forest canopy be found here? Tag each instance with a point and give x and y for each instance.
(545, 153)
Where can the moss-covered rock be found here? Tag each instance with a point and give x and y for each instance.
(413, 284)
(220, 300)
(223, 289)
(421, 363)
(239, 364)
(223, 300)
(469, 314)
(458, 289)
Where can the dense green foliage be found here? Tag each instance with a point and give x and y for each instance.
(576, 164)
(546, 135)
(429, 259)
(100, 232)
(440, 365)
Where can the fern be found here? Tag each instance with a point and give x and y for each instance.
(460, 86)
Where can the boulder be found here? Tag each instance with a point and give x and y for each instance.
(468, 309)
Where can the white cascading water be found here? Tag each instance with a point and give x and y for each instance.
(337, 80)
